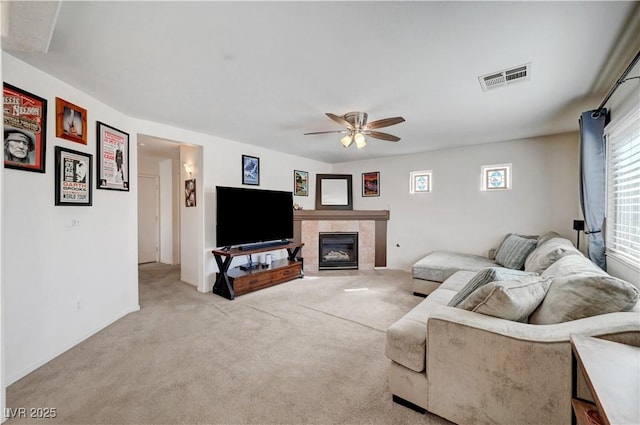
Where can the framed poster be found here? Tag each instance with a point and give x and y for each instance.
(300, 183)
(113, 158)
(25, 130)
(73, 177)
(190, 193)
(371, 184)
(250, 170)
(71, 121)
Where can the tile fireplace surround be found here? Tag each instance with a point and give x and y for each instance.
(371, 226)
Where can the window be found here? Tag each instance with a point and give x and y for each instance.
(496, 177)
(420, 181)
(623, 188)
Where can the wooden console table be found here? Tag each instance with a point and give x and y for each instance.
(612, 373)
(230, 283)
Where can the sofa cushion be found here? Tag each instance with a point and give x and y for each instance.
(458, 280)
(511, 299)
(439, 265)
(546, 236)
(406, 338)
(548, 253)
(581, 289)
(514, 251)
(490, 274)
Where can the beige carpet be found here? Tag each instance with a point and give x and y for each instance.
(306, 351)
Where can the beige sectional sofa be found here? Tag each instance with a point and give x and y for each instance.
(502, 355)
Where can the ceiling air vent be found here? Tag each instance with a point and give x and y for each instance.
(507, 76)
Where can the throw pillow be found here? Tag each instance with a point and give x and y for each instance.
(572, 265)
(511, 300)
(585, 293)
(484, 276)
(548, 253)
(546, 236)
(514, 251)
(507, 236)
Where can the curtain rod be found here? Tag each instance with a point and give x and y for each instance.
(620, 80)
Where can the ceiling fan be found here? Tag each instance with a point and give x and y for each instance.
(357, 128)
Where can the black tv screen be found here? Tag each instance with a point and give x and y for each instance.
(248, 216)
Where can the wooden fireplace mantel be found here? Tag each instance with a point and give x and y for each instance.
(380, 217)
(376, 215)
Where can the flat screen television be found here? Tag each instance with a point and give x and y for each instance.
(252, 216)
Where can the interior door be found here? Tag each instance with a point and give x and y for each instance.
(148, 220)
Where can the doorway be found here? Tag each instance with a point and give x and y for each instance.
(148, 219)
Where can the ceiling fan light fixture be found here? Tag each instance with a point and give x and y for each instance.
(360, 140)
(357, 128)
(347, 140)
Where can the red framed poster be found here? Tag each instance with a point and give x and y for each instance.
(25, 129)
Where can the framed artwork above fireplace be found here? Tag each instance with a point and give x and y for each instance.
(334, 192)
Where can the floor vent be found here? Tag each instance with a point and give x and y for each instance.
(505, 77)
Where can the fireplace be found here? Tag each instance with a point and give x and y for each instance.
(337, 251)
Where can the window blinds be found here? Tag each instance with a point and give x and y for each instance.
(623, 188)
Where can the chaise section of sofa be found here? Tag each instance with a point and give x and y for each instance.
(430, 271)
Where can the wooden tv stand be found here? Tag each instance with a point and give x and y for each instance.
(230, 283)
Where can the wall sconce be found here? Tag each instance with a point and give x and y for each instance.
(188, 168)
(578, 225)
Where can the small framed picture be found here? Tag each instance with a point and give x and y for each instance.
(25, 130)
(112, 158)
(71, 121)
(73, 177)
(250, 170)
(190, 193)
(371, 184)
(300, 183)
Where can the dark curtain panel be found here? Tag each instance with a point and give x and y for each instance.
(593, 181)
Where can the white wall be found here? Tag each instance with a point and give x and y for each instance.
(178, 190)
(166, 210)
(62, 284)
(191, 223)
(457, 215)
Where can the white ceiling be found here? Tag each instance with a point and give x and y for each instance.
(264, 73)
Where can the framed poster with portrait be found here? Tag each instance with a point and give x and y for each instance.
(300, 183)
(190, 193)
(112, 158)
(25, 130)
(73, 177)
(371, 184)
(250, 170)
(71, 121)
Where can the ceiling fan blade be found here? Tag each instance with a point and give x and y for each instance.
(383, 136)
(340, 120)
(386, 122)
(326, 132)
